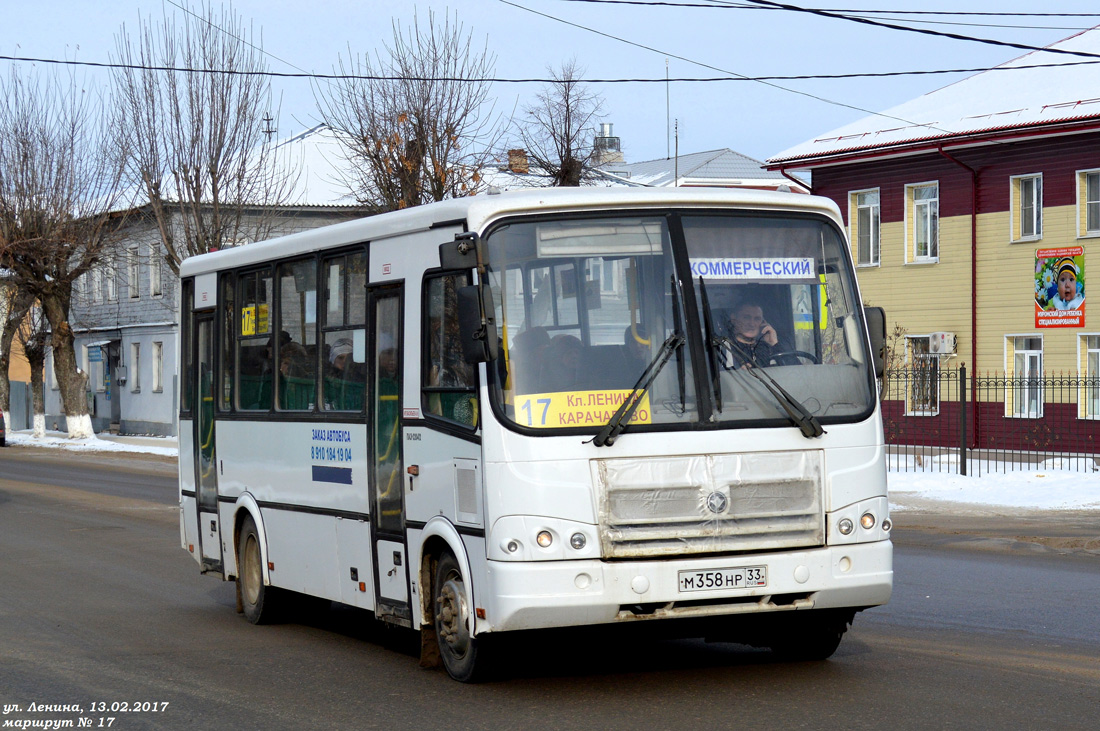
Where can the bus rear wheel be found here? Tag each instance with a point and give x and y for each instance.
(463, 654)
(258, 601)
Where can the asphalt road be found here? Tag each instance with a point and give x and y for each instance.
(99, 605)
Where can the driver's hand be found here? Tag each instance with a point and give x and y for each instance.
(767, 334)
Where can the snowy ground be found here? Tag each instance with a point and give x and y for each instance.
(1044, 489)
(166, 446)
(1051, 487)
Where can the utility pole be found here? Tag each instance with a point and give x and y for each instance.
(668, 113)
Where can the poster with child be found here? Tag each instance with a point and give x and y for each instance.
(1060, 287)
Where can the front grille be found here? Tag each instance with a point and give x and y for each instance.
(665, 506)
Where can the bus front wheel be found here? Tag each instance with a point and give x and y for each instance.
(257, 600)
(812, 638)
(461, 652)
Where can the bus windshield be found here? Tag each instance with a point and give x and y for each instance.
(587, 306)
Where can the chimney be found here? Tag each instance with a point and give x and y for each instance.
(517, 161)
(607, 146)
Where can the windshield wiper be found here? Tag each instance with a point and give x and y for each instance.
(796, 411)
(606, 436)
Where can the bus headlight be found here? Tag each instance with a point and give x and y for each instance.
(510, 545)
(544, 538)
(845, 526)
(578, 541)
(867, 520)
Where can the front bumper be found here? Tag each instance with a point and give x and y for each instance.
(544, 594)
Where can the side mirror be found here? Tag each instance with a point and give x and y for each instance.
(462, 253)
(478, 334)
(876, 325)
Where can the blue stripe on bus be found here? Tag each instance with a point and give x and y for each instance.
(339, 475)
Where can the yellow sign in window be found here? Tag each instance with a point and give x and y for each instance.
(254, 320)
(248, 321)
(262, 321)
(576, 409)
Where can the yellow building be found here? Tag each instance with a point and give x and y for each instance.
(975, 223)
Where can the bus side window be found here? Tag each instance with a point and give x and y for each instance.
(448, 381)
(255, 341)
(224, 395)
(187, 350)
(297, 352)
(344, 348)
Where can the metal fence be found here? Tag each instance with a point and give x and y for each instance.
(942, 420)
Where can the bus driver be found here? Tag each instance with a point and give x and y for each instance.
(753, 339)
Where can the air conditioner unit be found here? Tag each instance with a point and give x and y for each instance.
(941, 343)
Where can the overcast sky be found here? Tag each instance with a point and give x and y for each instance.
(752, 118)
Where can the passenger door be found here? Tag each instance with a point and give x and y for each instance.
(386, 473)
(206, 473)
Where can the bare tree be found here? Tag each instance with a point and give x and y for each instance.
(416, 118)
(59, 185)
(34, 336)
(14, 304)
(198, 142)
(557, 130)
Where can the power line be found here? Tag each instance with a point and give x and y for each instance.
(962, 13)
(745, 5)
(724, 71)
(924, 31)
(235, 37)
(548, 80)
(885, 14)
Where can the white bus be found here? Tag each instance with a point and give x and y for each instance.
(544, 409)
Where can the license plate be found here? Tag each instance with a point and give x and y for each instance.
(742, 577)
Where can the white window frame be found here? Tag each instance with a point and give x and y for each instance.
(1088, 373)
(158, 366)
(156, 287)
(135, 368)
(1083, 229)
(112, 282)
(1026, 212)
(855, 227)
(916, 362)
(133, 275)
(96, 370)
(1033, 401)
(915, 211)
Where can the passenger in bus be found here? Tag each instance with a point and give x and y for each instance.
(753, 340)
(293, 361)
(562, 369)
(295, 378)
(448, 368)
(526, 359)
(387, 424)
(338, 356)
(284, 339)
(343, 378)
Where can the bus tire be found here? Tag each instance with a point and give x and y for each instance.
(463, 655)
(814, 639)
(257, 600)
